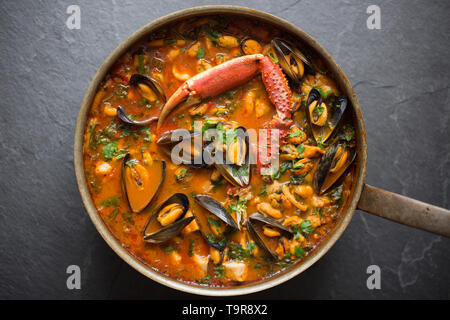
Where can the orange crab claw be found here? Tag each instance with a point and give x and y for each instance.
(280, 95)
(212, 82)
(277, 87)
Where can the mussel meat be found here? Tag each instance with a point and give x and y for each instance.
(150, 90)
(168, 219)
(213, 220)
(140, 182)
(324, 116)
(266, 232)
(250, 46)
(332, 166)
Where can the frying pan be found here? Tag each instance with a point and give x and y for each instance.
(382, 203)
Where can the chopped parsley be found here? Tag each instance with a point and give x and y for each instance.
(323, 94)
(320, 143)
(92, 140)
(113, 214)
(146, 132)
(214, 222)
(170, 249)
(113, 201)
(142, 69)
(237, 252)
(336, 194)
(205, 280)
(109, 151)
(299, 252)
(127, 216)
(294, 134)
(191, 247)
(183, 174)
(220, 271)
(209, 123)
(305, 227)
(200, 53)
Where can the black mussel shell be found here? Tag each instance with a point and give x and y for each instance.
(217, 209)
(154, 85)
(172, 138)
(162, 234)
(323, 178)
(123, 115)
(238, 175)
(135, 80)
(290, 58)
(336, 108)
(255, 226)
(214, 208)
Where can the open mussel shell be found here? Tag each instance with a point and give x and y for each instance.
(255, 226)
(155, 232)
(148, 83)
(183, 147)
(291, 60)
(332, 166)
(250, 46)
(237, 169)
(213, 220)
(237, 176)
(123, 115)
(141, 183)
(151, 90)
(336, 107)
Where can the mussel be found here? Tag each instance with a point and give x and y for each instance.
(291, 60)
(123, 115)
(250, 46)
(266, 232)
(140, 183)
(324, 116)
(168, 219)
(150, 90)
(332, 166)
(213, 220)
(236, 165)
(184, 147)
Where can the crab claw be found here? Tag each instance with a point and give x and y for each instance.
(212, 82)
(277, 87)
(280, 95)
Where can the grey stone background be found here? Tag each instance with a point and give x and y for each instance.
(401, 76)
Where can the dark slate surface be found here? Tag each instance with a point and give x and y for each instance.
(401, 76)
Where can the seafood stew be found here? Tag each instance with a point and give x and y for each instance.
(219, 224)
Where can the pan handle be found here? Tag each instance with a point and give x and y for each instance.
(405, 210)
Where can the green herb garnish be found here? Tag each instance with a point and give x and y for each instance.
(220, 271)
(200, 53)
